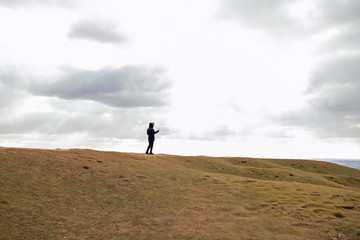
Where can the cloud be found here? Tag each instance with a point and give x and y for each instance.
(346, 40)
(95, 30)
(129, 86)
(81, 107)
(100, 123)
(9, 97)
(26, 3)
(12, 77)
(333, 108)
(291, 18)
(260, 14)
(12, 84)
(337, 12)
(344, 17)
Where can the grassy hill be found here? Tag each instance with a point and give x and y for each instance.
(87, 194)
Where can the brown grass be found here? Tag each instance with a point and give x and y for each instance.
(87, 194)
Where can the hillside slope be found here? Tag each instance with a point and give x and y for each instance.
(87, 194)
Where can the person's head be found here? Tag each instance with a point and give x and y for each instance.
(151, 125)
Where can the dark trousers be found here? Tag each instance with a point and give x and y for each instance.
(150, 147)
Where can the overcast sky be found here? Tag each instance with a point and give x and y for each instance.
(257, 78)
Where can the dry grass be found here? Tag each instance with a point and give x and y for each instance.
(86, 194)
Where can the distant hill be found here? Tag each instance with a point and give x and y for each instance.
(87, 194)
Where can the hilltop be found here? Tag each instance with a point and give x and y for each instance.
(87, 194)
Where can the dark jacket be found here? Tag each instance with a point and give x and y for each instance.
(151, 132)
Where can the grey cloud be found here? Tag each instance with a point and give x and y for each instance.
(26, 3)
(118, 125)
(95, 30)
(66, 118)
(129, 86)
(9, 97)
(261, 14)
(12, 77)
(39, 122)
(105, 123)
(336, 75)
(344, 16)
(12, 86)
(348, 40)
(99, 106)
(275, 16)
(334, 106)
(338, 12)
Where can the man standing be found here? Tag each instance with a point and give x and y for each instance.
(151, 137)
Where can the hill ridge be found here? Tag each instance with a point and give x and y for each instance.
(92, 194)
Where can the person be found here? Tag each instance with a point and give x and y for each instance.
(151, 137)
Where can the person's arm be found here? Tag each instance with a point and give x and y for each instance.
(152, 131)
(157, 131)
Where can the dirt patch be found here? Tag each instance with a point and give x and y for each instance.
(339, 215)
(248, 181)
(317, 210)
(4, 202)
(346, 207)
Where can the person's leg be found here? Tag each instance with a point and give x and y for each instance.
(151, 144)
(149, 147)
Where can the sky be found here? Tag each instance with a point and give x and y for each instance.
(251, 78)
